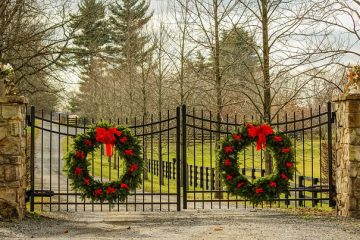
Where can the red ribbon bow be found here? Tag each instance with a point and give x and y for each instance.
(107, 136)
(261, 132)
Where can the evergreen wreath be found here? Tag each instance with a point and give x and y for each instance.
(264, 188)
(86, 143)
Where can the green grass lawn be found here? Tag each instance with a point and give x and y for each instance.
(307, 158)
(308, 162)
(204, 155)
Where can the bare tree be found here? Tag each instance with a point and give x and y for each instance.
(290, 53)
(207, 18)
(33, 38)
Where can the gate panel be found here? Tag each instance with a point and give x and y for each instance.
(310, 131)
(52, 135)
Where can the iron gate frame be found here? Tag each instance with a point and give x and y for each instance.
(330, 189)
(182, 175)
(33, 192)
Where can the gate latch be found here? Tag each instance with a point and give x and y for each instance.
(39, 193)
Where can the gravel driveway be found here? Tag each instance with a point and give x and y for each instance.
(190, 224)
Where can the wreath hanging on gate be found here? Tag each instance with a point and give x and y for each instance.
(112, 137)
(265, 188)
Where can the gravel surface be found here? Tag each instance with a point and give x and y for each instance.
(190, 224)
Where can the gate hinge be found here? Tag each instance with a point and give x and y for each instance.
(333, 117)
(28, 120)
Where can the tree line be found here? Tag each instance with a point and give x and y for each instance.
(230, 56)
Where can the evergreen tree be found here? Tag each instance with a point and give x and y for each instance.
(130, 44)
(239, 65)
(90, 43)
(238, 52)
(92, 33)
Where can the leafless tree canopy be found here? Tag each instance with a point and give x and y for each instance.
(230, 56)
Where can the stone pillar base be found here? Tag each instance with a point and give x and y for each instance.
(347, 169)
(12, 156)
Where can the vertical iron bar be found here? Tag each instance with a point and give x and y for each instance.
(277, 127)
(312, 149)
(161, 173)
(50, 148)
(194, 155)
(202, 159)
(42, 157)
(303, 150)
(118, 168)
(92, 169)
(32, 150)
(286, 131)
(184, 163)
(59, 150)
(76, 195)
(178, 177)
(244, 169)
(253, 156)
(294, 149)
(135, 133)
(152, 159)
(217, 147)
(235, 130)
(146, 167)
(320, 154)
(168, 165)
(212, 186)
(330, 156)
(83, 132)
(67, 150)
(126, 199)
(227, 130)
(244, 159)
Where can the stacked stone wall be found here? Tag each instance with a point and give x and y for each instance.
(347, 170)
(12, 156)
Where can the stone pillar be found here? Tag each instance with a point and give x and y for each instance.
(12, 156)
(347, 169)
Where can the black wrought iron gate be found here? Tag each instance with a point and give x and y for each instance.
(180, 159)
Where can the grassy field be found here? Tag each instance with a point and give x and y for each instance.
(308, 163)
(307, 158)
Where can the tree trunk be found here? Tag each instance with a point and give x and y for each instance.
(145, 118)
(182, 74)
(266, 75)
(219, 105)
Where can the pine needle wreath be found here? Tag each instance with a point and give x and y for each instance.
(85, 144)
(264, 188)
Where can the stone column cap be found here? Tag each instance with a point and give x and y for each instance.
(344, 97)
(14, 99)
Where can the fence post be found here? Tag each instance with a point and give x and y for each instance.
(195, 176)
(207, 178)
(301, 193)
(212, 179)
(314, 193)
(347, 177)
(191, 175)
(202, 177)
